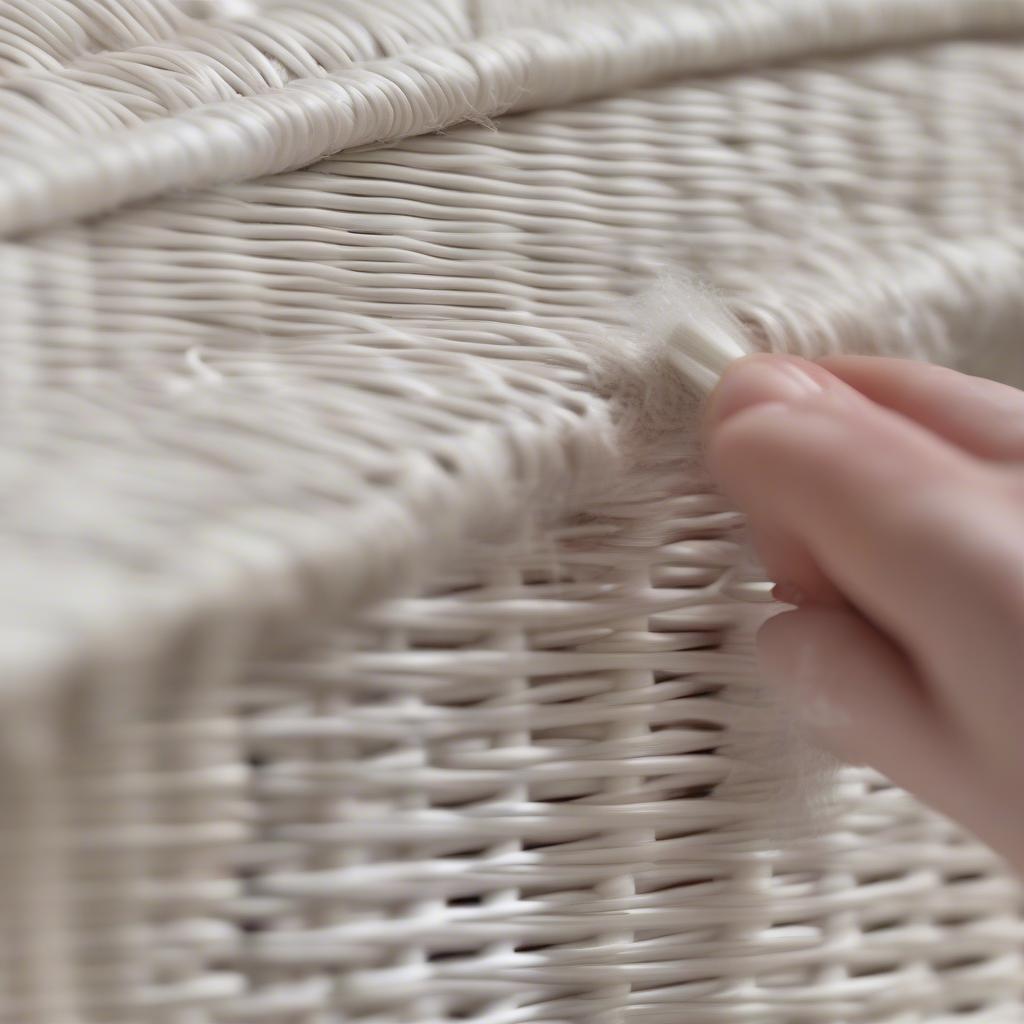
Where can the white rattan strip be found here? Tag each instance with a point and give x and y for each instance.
(434, 87)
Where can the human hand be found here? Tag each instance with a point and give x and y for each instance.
(886, 498)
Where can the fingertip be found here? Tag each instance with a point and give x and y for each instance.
(761, 379)
(744, 449)
(746, 458)
(855, 689)
(861, 697)
(789, 593)
(780, 648)
(768, 408)
(812, 646)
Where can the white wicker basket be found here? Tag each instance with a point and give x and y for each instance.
(372, 649)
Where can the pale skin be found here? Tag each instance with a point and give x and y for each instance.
(886, 499)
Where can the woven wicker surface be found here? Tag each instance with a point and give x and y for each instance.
(373, 650)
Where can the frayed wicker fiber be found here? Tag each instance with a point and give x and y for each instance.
(373, 649)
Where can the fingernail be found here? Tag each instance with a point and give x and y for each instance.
(789, 593)
(759, 379)
(818, 712)
(800, 669)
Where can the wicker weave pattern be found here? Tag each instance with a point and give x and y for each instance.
(372, 649)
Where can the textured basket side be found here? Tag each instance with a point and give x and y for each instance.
(547, 788)
(121, 810)
(453, 800)
(233, 409)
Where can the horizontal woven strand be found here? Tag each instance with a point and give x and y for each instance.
(44, 37)
(437, 87)
(209, 62)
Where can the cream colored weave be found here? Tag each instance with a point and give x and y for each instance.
(372, 648)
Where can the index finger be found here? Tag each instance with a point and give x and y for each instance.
(979, 415)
